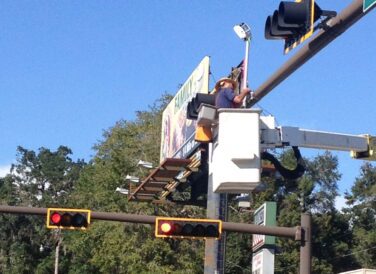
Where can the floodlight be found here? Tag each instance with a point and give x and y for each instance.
(132, 178)
(122, 190)
(145, 164)
(243, 31)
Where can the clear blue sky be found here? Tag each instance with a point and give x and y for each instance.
(71, 69)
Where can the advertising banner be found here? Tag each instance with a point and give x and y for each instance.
(177, 139)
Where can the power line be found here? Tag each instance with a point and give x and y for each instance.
(374, 247)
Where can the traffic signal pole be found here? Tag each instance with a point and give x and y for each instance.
(299, 233)
(305, 244)
(104, 216)
(335, 27)
(292, 232)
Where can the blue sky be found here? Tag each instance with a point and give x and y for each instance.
(71, 69)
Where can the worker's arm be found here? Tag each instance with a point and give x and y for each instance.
(239, 98)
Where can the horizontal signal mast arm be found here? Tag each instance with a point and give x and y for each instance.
(292, 232)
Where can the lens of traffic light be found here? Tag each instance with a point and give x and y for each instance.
(55, 218)
(187, 230)
(166, 228)
(199, 230)
(79, 220)
(212, 231)
(66, 219)
(177, 229)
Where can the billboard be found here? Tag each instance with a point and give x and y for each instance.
(177, 139)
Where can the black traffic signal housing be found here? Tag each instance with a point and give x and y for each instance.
(167, 227)
(293, 22)
(195, 103)
(64, 218)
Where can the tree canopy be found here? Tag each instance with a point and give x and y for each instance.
(342, 240)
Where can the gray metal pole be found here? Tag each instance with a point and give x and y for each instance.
(292, 232)
(122, 217)
(106, 216)
(336, 26)
(211, 245)
(57, 254)
(246, 62)
(245, 71)
(305, 246)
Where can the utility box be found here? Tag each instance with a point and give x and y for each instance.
(235, 163)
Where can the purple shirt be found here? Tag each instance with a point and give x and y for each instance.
(225, 98)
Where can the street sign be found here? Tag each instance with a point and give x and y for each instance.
(264, 215)
(263, 246)
(263, 261)
(367, 4)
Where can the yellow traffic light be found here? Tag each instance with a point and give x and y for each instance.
(167, 227)
(67, 218)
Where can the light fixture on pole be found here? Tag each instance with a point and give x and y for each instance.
(243, 31)
(145, 164)
(133, 179)
(122, 190)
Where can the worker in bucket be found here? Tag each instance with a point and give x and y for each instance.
(226, 97)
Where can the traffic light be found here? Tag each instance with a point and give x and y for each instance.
(65, 218)
(166, 227)
(293, 22)
(195, 103)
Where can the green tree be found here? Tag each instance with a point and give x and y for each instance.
(37, 179)
(238, 245)
(123, 145)
(127, 248)
(362, 215)
(45, 178)
(315, 193)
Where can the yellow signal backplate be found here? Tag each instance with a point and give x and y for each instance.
(193, 220)
(67, 210)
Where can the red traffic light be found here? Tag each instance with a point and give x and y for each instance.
(55, 218)
(187, 228)
(68, 218)
(166, 227)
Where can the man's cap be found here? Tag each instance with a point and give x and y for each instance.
(225, 79)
